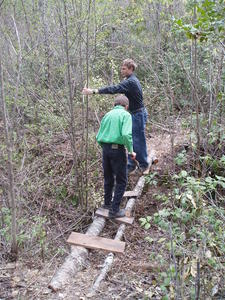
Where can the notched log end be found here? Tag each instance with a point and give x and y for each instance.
(53, 288)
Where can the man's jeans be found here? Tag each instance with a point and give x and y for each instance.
(114, 165)
(139, 120)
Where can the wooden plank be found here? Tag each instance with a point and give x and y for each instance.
(130, 194)
(96, 242)
(102, 212)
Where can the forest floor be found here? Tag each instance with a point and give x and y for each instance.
(133, 275)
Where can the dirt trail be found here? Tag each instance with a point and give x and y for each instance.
(132, 275)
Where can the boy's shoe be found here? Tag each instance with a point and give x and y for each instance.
(107, 206)
(118, 214)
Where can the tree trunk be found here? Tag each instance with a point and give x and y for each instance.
(70, 99)
(11, 185)
(87, 107)
(196, 101)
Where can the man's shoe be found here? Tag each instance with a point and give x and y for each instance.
(118, 214)
(145, 171)
(107, 206)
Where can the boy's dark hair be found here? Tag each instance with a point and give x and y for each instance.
(121, 100)
(129, 63)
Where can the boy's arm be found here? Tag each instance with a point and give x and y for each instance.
(127, 132)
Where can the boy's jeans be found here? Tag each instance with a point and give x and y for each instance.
(114, 163)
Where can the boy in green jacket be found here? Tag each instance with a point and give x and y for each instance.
(114, 135)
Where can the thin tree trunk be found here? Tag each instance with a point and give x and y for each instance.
(172, 255)
(46, 44)
(196, 101)
(87, 108)
(71, 106)
(217, 88)
(1, 3)
(197, 282)
(27, 23)
(11, 186)
(15, 108)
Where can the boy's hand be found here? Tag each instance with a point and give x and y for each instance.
(133, 155)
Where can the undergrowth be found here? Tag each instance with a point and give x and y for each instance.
(191, 216)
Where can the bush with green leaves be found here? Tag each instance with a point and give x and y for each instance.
(30, 230)
(192, 218)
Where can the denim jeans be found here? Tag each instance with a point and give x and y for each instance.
(139, 120)
(114, 163)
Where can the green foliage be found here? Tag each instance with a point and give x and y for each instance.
(39, 231)
(5, 230)
(210, 22)
(151, 178)
(161, 197)
(181, 158)
(61, 193)
(28, 230)
(192, 220)
(145, 222)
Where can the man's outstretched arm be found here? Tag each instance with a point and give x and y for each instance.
(120, 88)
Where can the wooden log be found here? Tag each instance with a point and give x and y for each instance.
(110, 257)
(129, 207)
(107, 264)
(75, 261)
(153, 158)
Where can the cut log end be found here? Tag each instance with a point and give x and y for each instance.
(128, 213)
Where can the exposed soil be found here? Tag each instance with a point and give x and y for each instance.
(133, 275)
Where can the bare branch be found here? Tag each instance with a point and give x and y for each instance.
(1, 3)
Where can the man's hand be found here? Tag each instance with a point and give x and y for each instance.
(132, 155)
(87, 91)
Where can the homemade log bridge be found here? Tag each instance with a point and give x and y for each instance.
(75, 261)
(110, 257)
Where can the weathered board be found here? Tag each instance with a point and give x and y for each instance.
(130, 194)
(102, 212)
(96, 242)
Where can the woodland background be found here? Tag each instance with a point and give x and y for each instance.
(49, 160)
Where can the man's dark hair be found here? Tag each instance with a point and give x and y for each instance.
(121, 100)
(130, 63)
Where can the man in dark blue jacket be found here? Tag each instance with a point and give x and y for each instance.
(131, 87)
